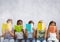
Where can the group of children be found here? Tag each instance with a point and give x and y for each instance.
(30, 33)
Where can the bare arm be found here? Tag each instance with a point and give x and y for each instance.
(45, 33)
(11, 33)
(57, 34)
(3, 34)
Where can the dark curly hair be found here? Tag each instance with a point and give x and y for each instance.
(31, 22)
(19, 22)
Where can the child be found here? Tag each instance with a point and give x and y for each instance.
(19, 30)
(41, 31)
(30, 35)
(52, 32)
(8, 33)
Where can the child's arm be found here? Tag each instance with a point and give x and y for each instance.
(26, 33)
(57, 34)
(34, 33)
(11, 33)
(23, 31)
(15, 36)
(3, 34)
(45, 33)
(37, 34)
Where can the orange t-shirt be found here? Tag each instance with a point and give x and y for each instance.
(53, 29)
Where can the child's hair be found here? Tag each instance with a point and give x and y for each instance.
(9, 20)
(52, 22)
(19, 22)
(40, 21)
(31, 22)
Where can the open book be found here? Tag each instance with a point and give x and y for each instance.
(6, 27)
(41, 26)
(29, 27)
(18, 28)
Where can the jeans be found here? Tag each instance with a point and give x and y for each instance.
(41, 40)
(7, 40)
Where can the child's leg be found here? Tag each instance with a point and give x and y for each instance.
(30, 40)
(23, 40)
(5, 40)
(56, 40)
(1, 39)
(49, 41)
(16, 40)
(44, 40)
(34, 40)
(19, 40)
(38, 40)
(11, 40)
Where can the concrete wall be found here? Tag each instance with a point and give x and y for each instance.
(26, 10)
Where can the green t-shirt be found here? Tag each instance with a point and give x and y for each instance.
(18, 28)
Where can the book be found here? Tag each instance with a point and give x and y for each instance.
(6, 27)
(52, 29)
(41, 26)
(18, 28)
(29, 27)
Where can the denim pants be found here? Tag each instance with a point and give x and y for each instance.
(41, 40)
(8, 40)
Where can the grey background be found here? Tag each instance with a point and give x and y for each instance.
(26, 10)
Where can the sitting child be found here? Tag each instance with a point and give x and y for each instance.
(19, 30)
(52, 32)
(7, 32)
(30, 30)
(41, 31)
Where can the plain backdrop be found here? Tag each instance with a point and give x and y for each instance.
(26, 10)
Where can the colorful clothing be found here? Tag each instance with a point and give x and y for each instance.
(41, 34)
(52, 34)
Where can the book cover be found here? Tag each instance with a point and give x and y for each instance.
(29, 27)
(18, 28)
(41, 26)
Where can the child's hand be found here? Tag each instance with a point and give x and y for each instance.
(9, 29)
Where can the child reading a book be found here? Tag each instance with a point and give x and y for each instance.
(30, 30)
(7, 32)
(41, 31)
(19, 30)
(53, 32)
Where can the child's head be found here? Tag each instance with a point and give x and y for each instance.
(31, 22)
(19, 22)
(52, 23)
(9, 21)
(41, 21)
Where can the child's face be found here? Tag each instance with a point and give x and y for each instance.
(10, 22)
(20, 23)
